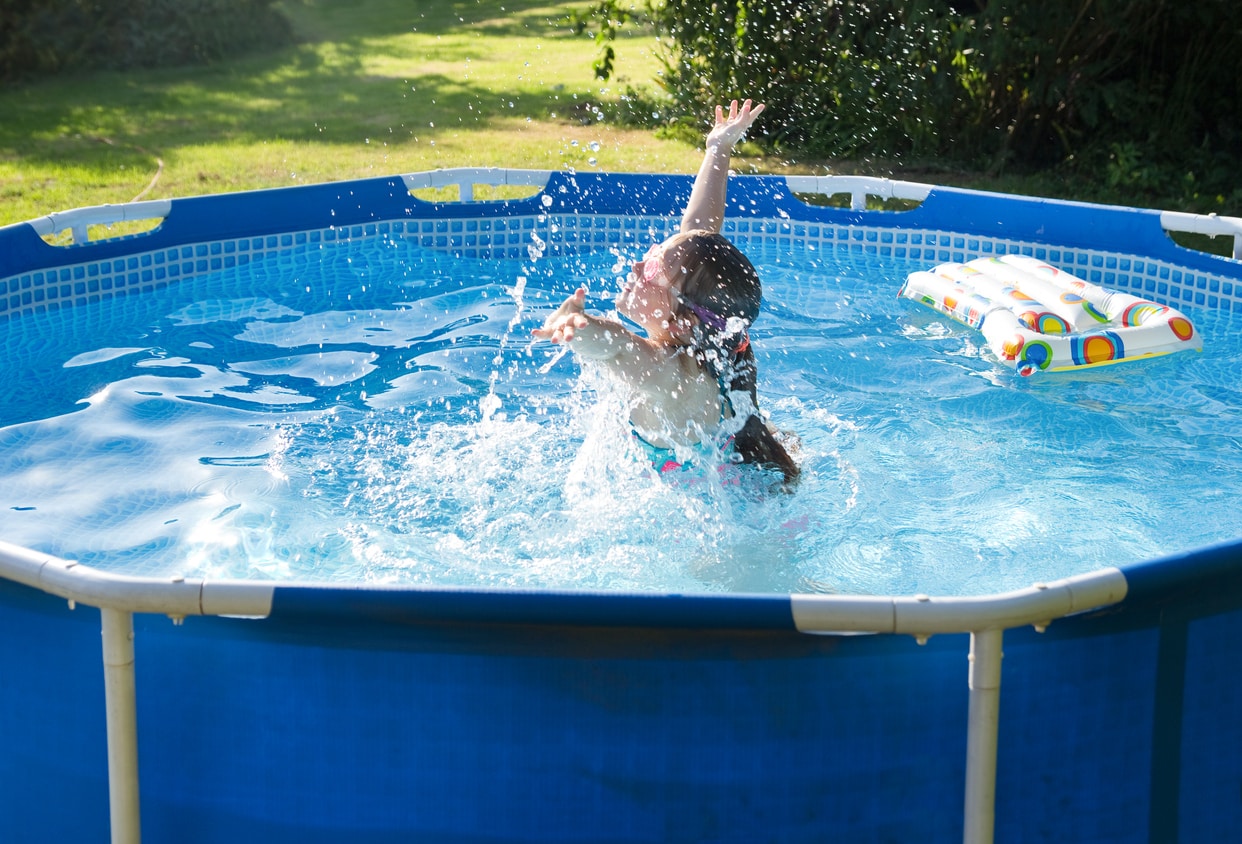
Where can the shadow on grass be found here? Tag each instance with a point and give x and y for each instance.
(317, 91)
(326, 21)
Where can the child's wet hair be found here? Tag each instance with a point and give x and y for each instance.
(717, 277)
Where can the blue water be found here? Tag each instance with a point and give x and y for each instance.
(377, 413)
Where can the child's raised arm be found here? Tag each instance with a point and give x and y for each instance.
(706, 208)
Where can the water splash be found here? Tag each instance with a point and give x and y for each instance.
(355, 416)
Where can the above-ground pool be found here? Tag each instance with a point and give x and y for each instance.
(422, 585)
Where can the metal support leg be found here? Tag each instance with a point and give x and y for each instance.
(981, 731)
(120, 702)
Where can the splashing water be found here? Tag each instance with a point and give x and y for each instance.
(376, 412)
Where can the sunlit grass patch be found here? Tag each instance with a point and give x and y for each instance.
(373, 88)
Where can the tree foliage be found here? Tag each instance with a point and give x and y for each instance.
(41, 37)
(1147, 88)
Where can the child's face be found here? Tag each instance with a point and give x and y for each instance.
(649, 293)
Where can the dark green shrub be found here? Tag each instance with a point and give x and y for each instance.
(50, 36)
(1079, 77)
(822, 68)
(1146, 90)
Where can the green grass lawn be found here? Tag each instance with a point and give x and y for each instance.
(373, 87)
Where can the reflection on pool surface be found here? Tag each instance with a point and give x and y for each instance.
(374, 411)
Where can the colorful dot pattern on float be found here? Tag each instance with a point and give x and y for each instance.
(1036, 317)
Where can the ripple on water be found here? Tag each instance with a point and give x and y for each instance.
(382, 417)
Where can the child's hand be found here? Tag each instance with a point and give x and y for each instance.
(568, 318)
(728, 131)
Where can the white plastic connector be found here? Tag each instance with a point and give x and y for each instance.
(859, 188)
(79, 220)
(465, 178)
(1209, 224)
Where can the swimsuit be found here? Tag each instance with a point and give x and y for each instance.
(664, 459)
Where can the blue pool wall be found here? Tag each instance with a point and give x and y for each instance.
(448, 715)
(451, 715)
(1123, 248)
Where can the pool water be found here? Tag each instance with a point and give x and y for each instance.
(374, 412)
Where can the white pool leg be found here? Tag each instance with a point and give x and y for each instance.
(981, 731)
(120, 703)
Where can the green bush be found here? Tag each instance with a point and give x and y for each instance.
(1077, 77)
(51, 36)
(820, 67)
(1147, 90)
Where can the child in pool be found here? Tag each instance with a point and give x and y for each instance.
(695, 295)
